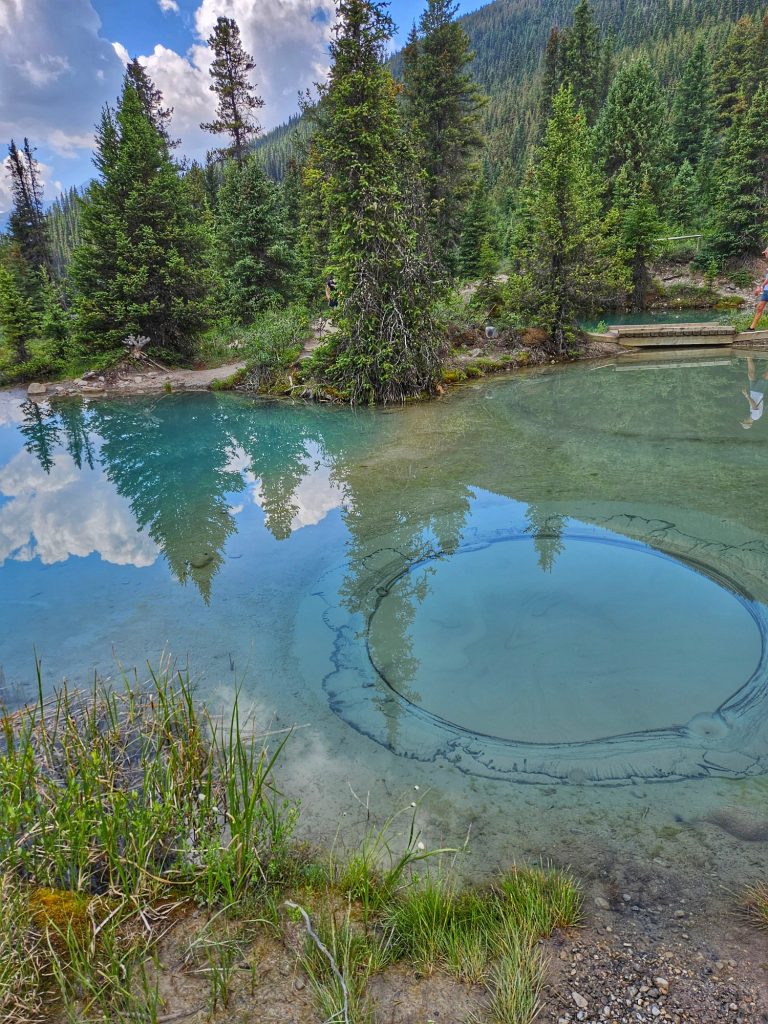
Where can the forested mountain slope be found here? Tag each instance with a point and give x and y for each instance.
(509, 38)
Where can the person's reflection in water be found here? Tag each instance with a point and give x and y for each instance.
(754, 394)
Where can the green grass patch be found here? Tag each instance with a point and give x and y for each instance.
(125, 802)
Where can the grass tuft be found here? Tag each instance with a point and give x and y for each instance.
(756, 902)
(517, 979)
(538, 900)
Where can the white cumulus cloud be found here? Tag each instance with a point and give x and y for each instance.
(55, 72)
(67, 512)
(43, 69)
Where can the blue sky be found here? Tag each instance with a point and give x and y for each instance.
(62, 60)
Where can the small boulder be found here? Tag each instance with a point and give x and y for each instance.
(36, 389)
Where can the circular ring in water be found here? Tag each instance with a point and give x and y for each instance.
(373, 694)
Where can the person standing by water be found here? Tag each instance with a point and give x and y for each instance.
(330, 292)
(762, 293)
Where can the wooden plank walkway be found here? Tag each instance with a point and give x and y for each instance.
(671, 335)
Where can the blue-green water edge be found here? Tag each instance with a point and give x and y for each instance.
(559, 579)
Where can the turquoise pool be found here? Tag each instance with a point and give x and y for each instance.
(537, 607)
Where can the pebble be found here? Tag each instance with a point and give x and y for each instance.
(679, 913)
(602, 903)
(580, 1001)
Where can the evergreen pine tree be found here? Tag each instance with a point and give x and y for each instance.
(583, 60)
(63, 227)
(607, 68)
(477, 238)
(151, 101)
(566, 257)
(739, 222)
(27, 225)
(640, 227)
(363, 197)
(141, 267)
(253, 252)
(54, 319)
(552, 76)
(230, 71)
(685, 199)
(734, 71)
(443, 105)
(631, 132)
(18, 316)
(705, 172)
(693, 110)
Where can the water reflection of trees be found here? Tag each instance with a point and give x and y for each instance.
(179, 460)
(174, 471)
(406, 477)
(40, 429)
(546, 527)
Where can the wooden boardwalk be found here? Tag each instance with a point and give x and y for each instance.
(679, 335)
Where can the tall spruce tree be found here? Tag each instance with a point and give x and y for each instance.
(151, 101)
(564, 252)
(18, 316)
(552, 72)
(477, 240)
(362, 187)
(443, 105)
(736, 71)
(27, 225)
(640, 227)
(583, 60)
(253, 251)
(739, 221)
(230, 71)
(631, 133)
(685, 205)
(693, 110)
(141, 267)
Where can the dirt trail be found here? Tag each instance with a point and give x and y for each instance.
(134, 380)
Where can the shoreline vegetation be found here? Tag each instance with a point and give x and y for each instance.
(617, 166)
(131, 812)
(275, 355)
(150, 870)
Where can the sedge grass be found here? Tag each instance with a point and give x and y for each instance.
(516, 981)
(756, 902)
(538, 900)
(116, 800)
(128, 799)
(340, 993)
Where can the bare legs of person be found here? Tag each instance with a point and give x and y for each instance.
(758, 314)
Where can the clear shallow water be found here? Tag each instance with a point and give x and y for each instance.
(558, 579)
(659, 316)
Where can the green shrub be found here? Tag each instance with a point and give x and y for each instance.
(741, 278)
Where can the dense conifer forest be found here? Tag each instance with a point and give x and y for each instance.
(555, 140)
